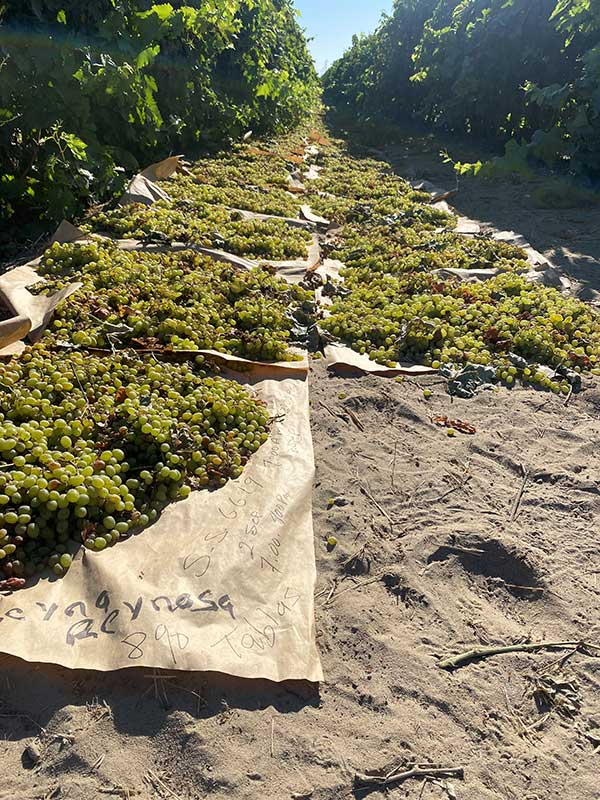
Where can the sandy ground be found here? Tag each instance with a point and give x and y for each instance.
(443, 544)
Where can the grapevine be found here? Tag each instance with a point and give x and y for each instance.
(450, 65)
(89, 93)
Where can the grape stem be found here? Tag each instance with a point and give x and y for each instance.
(570, 394)
(87, 404)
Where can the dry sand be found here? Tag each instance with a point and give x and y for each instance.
(396, 593)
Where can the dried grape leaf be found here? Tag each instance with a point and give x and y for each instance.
(458, 424)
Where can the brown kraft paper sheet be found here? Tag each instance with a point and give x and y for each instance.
(223, 581)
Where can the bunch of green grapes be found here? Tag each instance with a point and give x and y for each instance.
(263, 164)
(292, 144)
(395, 248)
(362, 190)
(272, 239)
(94, 447)
(140, 221)
(362, 179)
(206, 226)
(417, 317)
(248, 167)
(404, 209)
(180, 300)
(262, 201)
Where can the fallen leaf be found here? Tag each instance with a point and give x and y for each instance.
(458, 424)
(318, 138)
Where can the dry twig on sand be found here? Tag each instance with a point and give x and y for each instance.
(378, 506)
(359, 562)
(119, 791)
(452, 489)
(460, 550)
(333, 414)
(160, 682)
(98, 762)
(394, 464)
(361, 779)
(333, 597)
(477, 653)
(353, 417)
(159, 785)
(569, 395)
(517, 502)
(200, 700)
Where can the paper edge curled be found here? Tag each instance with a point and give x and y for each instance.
(340, 358)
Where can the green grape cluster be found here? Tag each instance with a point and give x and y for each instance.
(350, 189)
(94, 447)
(507, 322)
(288, 145)
(395, 248)
(399, 208)
(359, 178)
(180, 300)
(204, 225)
(140, 221)
(264, 165)
(260, 200)
(248, 168)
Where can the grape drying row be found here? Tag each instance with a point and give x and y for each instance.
(398, 304)
(179, 300)
(95, 446)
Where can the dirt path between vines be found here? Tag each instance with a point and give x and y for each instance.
(443, 544)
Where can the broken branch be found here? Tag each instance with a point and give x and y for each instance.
(477, 653)
(378, 506)
(519, 497)
(415, 772)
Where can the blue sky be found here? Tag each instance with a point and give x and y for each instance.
(332, 23)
